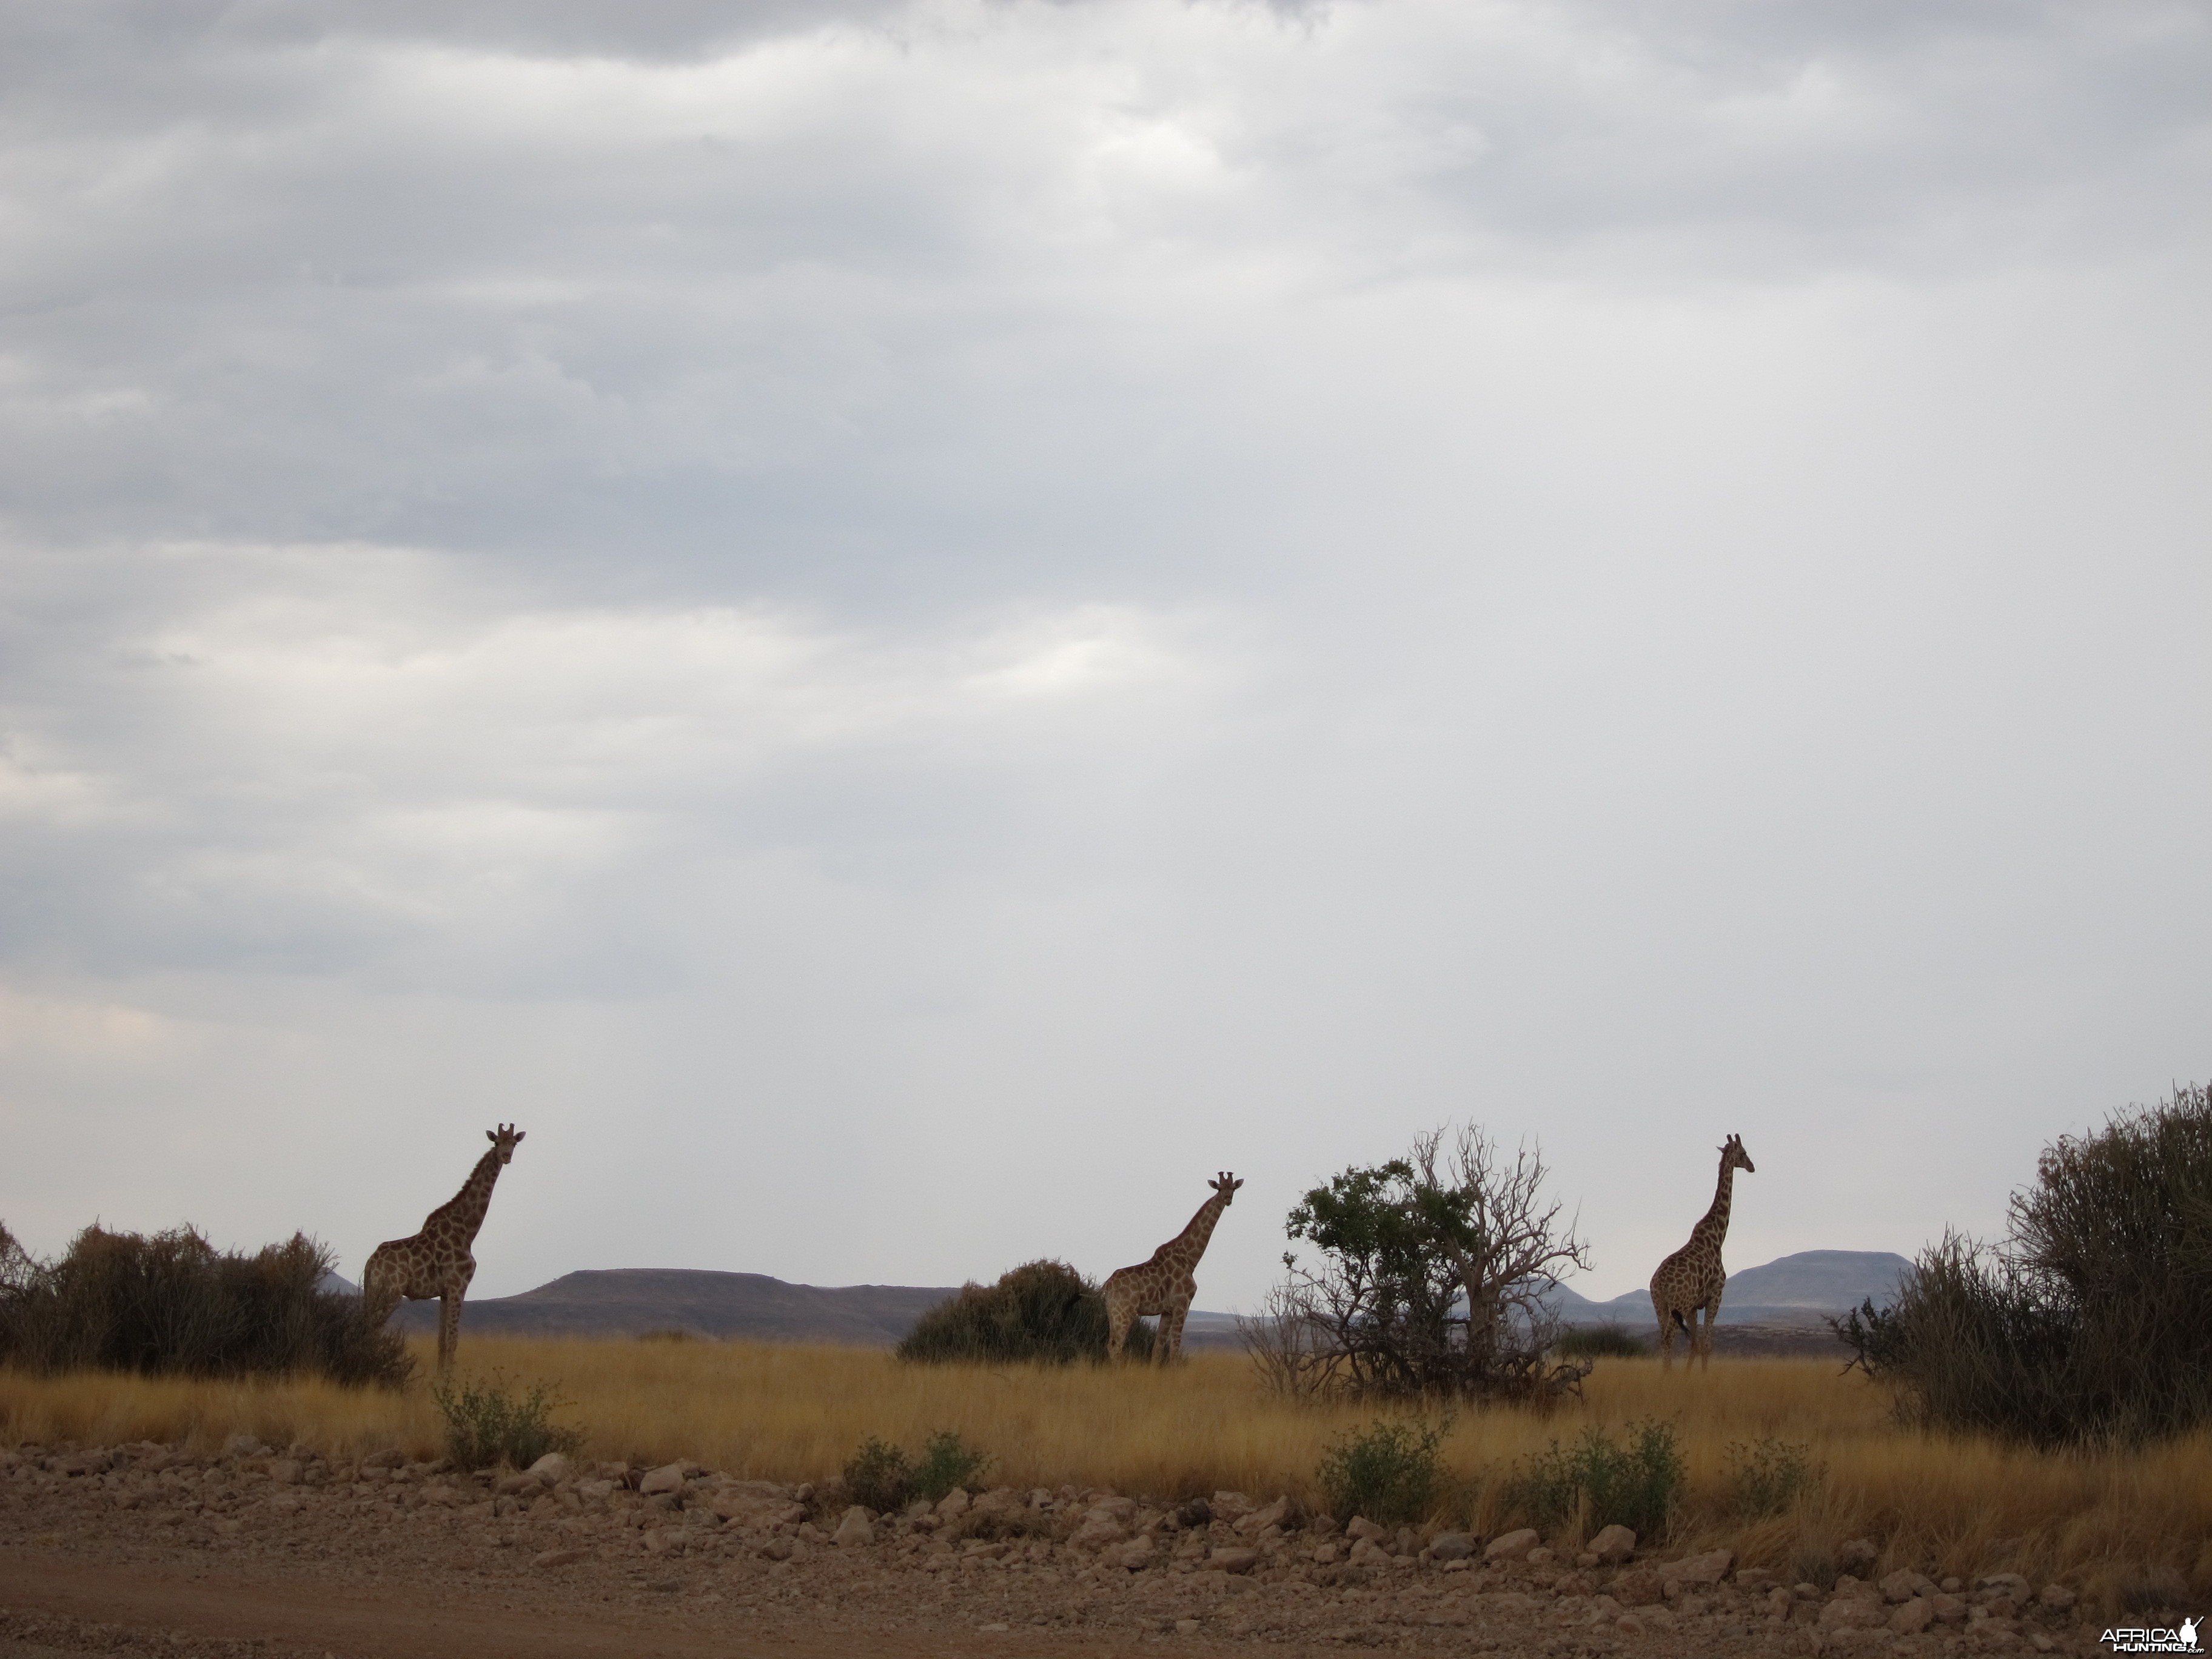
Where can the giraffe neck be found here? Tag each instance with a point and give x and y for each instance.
(1187, 1246)
(1714, 1228)
(466, 1210)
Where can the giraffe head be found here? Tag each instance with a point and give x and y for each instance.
(1225, 1184)
(1733, 1156)
(505, 1141)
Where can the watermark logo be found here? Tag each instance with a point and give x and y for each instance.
(2146, 1639)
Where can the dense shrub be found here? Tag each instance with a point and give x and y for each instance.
(1634, 1484)
(884, 1478)
(2092, 1318)
(1601, 1342)
(1766, 1476)
(1041, 1310)
(492, 1423)
(880, 1476)
(1388, 1471)
(945, 1463)
(173, 1303)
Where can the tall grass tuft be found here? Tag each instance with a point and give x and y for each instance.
(1766, 1476)
(171, 1305)
(1042, 1311)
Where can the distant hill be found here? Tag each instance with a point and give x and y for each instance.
(628, 1301)
(1802, 1289)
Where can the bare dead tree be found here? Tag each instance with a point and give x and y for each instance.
(1290, 1347)
(1430, 1276)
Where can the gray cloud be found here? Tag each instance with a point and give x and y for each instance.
(959, 594)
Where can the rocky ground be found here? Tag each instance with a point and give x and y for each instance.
(140, 1549)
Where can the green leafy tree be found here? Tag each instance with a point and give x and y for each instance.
(1427, 1275)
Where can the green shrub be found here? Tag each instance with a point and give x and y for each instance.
(173, 1305)
(946, 1463)
(1043, 1311)
(1388, 1471)
(489, 1423)
(880, 1476)
(1601, 1342)
(884, 1479)
(1633, 1485)
(2092, 1318)
(1766, 1476)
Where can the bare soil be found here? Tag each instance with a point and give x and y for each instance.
(140, 1550)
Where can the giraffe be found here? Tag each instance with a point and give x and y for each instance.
(1693, 1277)
(436, 1262)
(1165, 1284)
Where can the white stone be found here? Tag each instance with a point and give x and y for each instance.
(1613, 1545)
(1510, 1547)
(553, 1467)
(855, 1528)
(668, 1478)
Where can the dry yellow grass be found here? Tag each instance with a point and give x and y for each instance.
(1962, 1504)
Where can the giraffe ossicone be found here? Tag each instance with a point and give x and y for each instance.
(1691, 1279)
(1165, 1285)
(436, 1263)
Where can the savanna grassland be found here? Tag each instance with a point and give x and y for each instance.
(2098, 1518)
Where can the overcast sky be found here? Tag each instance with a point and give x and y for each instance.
(903, 630)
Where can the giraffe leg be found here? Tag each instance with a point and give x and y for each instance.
(1712, 1318)
(1666, 1331)
(1171, 1332)
(449, 1329)
(1120, 1315)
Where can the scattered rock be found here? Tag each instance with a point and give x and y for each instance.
(1360, 1527)
(1508, 1546)
(1856, 1555)
(553, 1467)
(1100, 1527)
(1640, 1587)
(518, 1485)
(559, 1558)
(2057, 1597)
(1912, 1615)
(2004, 1583)
(390, 1458)
(1450, 1546)
(1196, 1513)
(285, 1472)
(855, 1528)
(238, 1445)
(1233, 1558)
(1539, 1557)
(1947, 1609)
(1905, 1583)
(668, 1478)
(1135, 1555)
(1707, 1569)
(1854, 1613)
(954, 1504)
(1261, 1520)
(1613, 1545)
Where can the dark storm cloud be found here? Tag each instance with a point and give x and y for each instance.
(935, 577)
